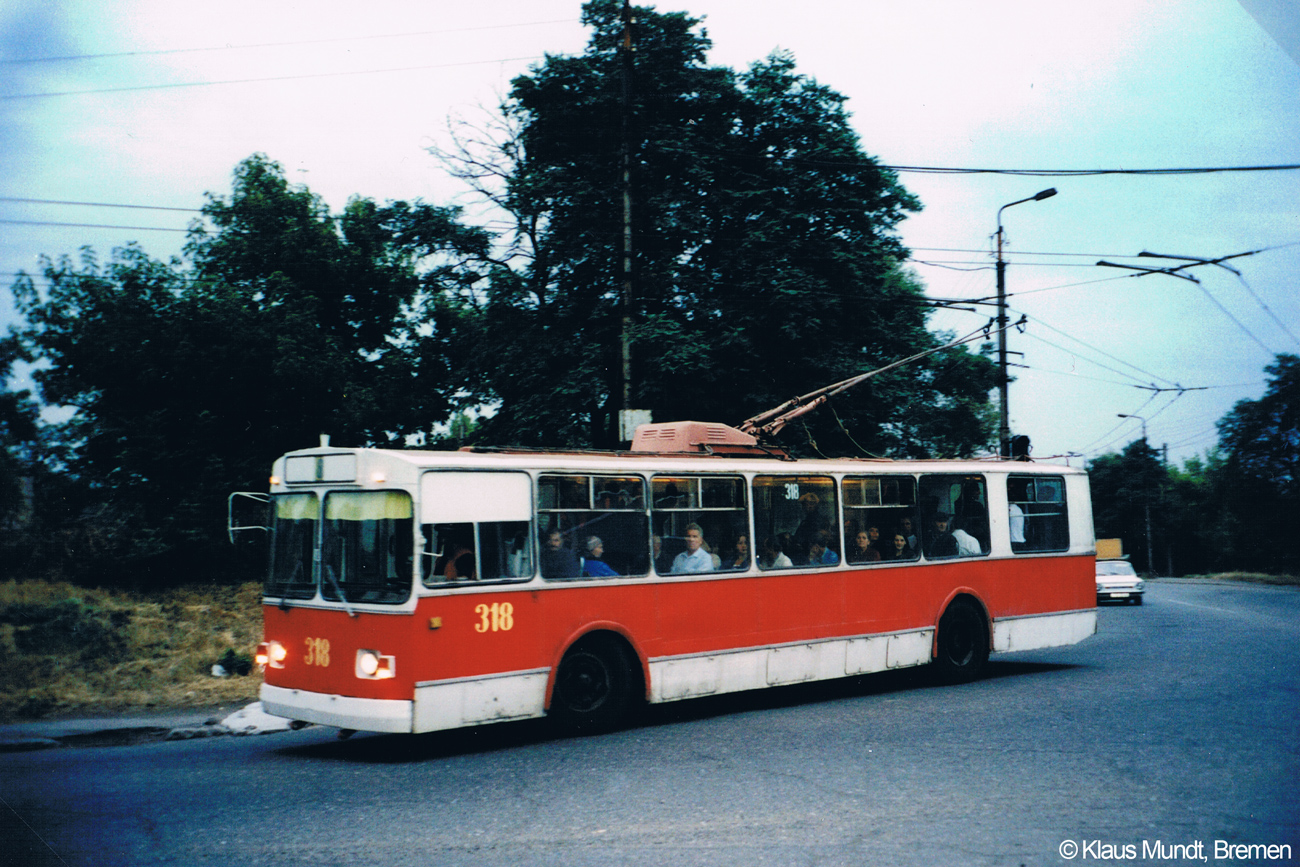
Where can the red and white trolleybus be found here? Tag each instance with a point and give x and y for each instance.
(411, 591)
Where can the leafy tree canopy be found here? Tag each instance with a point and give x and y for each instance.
(1261, 441)
(765, 258)
(282, 322)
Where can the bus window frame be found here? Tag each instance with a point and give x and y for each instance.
(836, 521)
(339, 584)
(546, 519)
(913, 511)
(1062, 516)
(431, 581)
(312, 566)
(694, 506)
(924, 531)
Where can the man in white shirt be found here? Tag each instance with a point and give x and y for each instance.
(694, 558)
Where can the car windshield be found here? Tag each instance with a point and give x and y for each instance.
(1114, 567)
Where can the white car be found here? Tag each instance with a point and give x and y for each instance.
(1117, 580)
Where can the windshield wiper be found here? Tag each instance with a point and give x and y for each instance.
(329, 573)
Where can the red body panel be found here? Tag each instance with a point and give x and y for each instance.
(455, 634)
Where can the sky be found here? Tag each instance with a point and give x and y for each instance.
(152, 103)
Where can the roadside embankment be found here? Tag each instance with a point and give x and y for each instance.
(68, 650)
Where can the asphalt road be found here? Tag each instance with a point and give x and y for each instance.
(1176, 725)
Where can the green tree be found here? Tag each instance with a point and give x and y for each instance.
(1261, 441)
(765, 258)
(19, 436)
(189, 377)
(1128, 496)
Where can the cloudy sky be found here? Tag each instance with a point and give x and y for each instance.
(152, 103)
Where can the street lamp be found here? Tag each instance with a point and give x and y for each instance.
(1150, 562)
(1004, 425)
(1139, 418)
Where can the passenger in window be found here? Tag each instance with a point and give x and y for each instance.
(518, 560)
(863, 551)
(663, 563)
(901, 550)
(741, 558)
(1015, 514)
(909, 532)
(460, 563)
(592, 565)
(820, 552)
(813, 523)
(967, 545)
(941, 542)
(694, 558)
(873, 536)
(558, 562)
(771, 557)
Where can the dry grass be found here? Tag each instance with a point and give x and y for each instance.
(67, 650)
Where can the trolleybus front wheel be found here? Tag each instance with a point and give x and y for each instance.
(594, 686)
(963, 643)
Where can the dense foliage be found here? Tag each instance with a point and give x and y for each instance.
(188, 377)
(1230, 510)
(765, 262)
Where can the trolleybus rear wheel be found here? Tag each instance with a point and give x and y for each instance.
(593, 688)
(963, 643)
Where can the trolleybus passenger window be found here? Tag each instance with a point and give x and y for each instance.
(601, 526)
(879, 518)
(1037, 512)
(293, 540)
(488, 551)
(954, 516)
(476, 527)
(796, 521)
(715, 504)
(367, 546)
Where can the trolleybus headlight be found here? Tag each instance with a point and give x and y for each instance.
(271, 653)
(373, 665)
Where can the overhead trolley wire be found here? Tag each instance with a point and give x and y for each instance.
(303, 76)
(159, 51)
(97, 204)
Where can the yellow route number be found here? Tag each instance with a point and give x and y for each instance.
(318, 651)
(497, 617)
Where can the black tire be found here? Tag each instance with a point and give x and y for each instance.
(594, 687)
(963, 643)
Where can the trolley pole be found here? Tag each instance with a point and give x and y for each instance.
(1004, 419)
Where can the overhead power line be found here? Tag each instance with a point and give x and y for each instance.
(180, 84)
(158, 51)
(1077, 173)
(88, 226)
(97, 204)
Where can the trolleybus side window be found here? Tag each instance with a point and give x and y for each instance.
(366, 546)
(796, 521)
(879, 518)
(476, 527)
(601, 526)
(954, 516)
(1037, 512)
(293, 541)
(716, 505)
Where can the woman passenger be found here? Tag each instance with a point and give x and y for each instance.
(901, 550)
(741, 560)
(863, 551)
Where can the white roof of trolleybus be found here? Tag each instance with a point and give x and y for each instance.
(697, 463)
